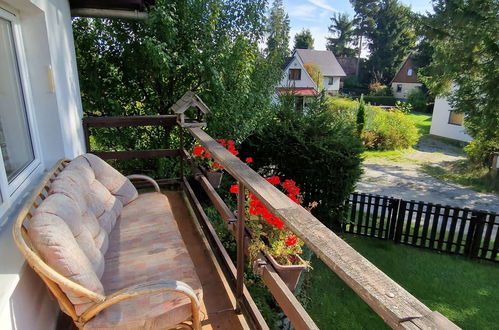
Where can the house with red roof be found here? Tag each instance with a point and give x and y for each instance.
(297, 81)
(406, 80)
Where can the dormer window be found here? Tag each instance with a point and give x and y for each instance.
(409, 72)
(294, 74)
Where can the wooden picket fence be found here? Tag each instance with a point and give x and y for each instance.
(471, 233)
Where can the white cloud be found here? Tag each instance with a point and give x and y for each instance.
(322, 4)
(303, 11)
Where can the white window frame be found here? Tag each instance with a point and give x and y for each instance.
(11, 191)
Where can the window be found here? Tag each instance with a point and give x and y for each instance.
(399, 88)
(330, 81)
(294, 74)
(409, 72)
(18, 159)
(456, 118)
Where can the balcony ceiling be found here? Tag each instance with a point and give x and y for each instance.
(138, 5)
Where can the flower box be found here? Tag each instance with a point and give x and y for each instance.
(290, 274)
(214, 177)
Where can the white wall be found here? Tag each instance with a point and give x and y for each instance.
(440, 122)
(335, 87)
(305, 80)
(407, 88)
(47, 40)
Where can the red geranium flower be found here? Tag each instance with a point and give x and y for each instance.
(198, 151)
(234, 189)
(290, 241)
(274, 179)
(249, 160)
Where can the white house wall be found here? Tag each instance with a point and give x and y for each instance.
(335, 87)
(440, 122)
(407, 89)
(55, 105)
(305, 80)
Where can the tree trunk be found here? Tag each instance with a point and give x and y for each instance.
(358, 57)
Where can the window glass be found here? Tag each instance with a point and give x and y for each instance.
(15, 140)
(331, 81)
(294, 74)
(456, 118)
(409, 72)
(399, 88)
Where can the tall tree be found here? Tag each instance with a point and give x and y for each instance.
(392, 40)
(206, 46)
(364, 21)
(278, 33)
(343, 36)
(304, 40)
(464, 37)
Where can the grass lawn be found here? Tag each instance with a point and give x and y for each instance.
(463, 290)
(422, 121)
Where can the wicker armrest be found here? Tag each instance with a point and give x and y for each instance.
(145, 289)
(144, 178)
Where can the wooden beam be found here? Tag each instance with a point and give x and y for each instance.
(287, 301)
(388, 299)
(130, 121)
(248, 305)
(137, 154)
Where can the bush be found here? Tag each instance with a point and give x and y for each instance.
(316, 149)
(379, 100)
(481, 152)
(389, 130)
(418, 100)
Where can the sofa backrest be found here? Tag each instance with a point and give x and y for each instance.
(70, 228)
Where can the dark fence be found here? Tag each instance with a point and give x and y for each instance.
(444, 228)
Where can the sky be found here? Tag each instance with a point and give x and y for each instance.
(315, 16)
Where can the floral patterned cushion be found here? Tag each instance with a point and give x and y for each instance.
(146, 245)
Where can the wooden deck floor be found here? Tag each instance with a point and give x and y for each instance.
(217, 309)
(218, 305)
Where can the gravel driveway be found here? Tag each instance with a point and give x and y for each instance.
(402, 179)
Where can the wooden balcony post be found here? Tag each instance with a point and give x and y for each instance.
(181, 148)
(240, 242)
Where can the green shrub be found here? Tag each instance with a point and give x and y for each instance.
(389, 130)
(379, 100)
(418, 100)
(316, 149)
(361, 115)
(481, 152)
(404, 107)
(383, 130)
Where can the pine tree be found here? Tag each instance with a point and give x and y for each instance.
(343, 36)
(304, 40)
(278, 29)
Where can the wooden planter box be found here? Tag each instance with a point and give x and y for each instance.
(290, 274)
(214, 177)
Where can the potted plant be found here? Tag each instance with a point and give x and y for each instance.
(270, 236)
(212, 170)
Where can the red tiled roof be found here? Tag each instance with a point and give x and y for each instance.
(298, 91)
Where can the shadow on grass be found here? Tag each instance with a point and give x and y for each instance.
(463, 290)
(464, 173)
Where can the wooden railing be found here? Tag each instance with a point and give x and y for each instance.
(397, 307)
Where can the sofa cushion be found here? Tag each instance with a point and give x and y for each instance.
(146, 245)
(114, 181)
(51, 235)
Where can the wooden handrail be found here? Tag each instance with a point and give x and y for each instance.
(397, 307)
(130, 121)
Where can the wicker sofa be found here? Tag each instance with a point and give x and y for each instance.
(112, 258)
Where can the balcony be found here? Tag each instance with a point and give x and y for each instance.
(227, 303)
